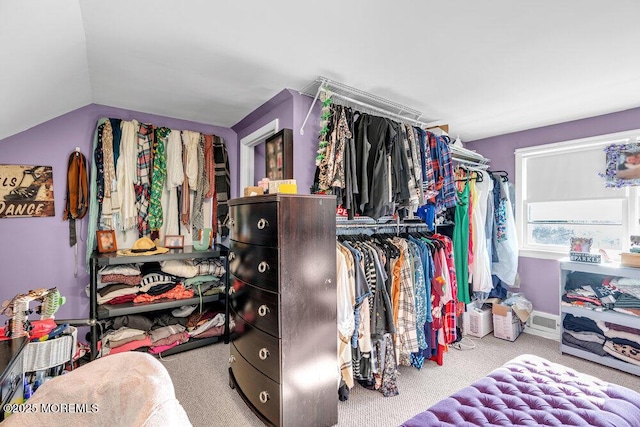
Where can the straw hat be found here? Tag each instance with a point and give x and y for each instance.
(143, 246)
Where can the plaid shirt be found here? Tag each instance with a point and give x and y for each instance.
(406, 336)
(443, 173)
(428, 177)
(451, 310)
(448, 193)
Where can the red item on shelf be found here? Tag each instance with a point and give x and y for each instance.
(40, 328)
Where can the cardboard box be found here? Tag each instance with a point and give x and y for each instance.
(630, 259)
(253, 191)
(508, 321)
(506, 326)
(477, 322)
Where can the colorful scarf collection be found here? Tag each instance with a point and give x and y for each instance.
(146, 177)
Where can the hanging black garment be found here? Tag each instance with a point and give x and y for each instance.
(379, 133)
(77, 197)
(223, 184)
(363, 147)
(350, 177)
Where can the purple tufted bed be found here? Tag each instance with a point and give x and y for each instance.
(530, 390)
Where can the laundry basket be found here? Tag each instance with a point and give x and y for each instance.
(48, 354)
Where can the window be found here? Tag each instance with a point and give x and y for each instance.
(560, 194)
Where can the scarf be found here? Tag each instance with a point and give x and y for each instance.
(175, 177)
(210, 173)
(190, 142)
(93, 205)
(77, 198)
(77, 193)
(159, 175)
(223, 185)
(143, 181)
(109, 177)
(126, 175)
(202, 188)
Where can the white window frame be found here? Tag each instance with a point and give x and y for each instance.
(247, 150)
(630, 210)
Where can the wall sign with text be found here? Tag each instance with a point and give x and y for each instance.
(26, 191)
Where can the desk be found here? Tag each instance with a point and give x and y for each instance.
(12, 380)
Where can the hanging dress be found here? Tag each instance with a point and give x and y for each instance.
(461, 244)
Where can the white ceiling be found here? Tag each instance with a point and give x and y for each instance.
(486, 68)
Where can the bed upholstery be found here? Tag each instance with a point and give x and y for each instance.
(128, 389)
(530, 390)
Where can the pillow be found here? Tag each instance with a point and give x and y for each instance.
(124, 269)
(178, 267)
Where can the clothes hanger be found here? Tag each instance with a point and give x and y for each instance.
(504, 175)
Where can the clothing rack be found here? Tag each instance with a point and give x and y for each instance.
(363, 100)
(372, 103)
(344, 226)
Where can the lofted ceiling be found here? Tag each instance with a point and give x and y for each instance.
(485, 68)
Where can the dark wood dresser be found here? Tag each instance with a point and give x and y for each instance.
(282, 258)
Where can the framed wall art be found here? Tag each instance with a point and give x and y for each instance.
(623, 165)
(279, 155)
(26, 191)
(106, 241)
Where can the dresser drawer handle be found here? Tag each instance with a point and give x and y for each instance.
(232, 359)
(231, 222)
(263, 353)
(264, 396)
(232, 256)
(263, 310)
(263, 266)
(262, 223)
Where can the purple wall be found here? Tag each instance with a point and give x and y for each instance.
(305, 146)
(291, 109)
(35, 252)
(279, 107)
(540, 279)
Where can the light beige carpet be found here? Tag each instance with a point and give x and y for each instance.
(200, 378)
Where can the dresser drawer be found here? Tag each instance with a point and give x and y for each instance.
(256, 306)
(257, 265)
(12, 379)
(259, 348)
(255, 223)
(262, 392)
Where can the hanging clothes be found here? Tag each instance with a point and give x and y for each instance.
(190, 142)
(346, 319)
(143, 177)
(77, 197)
(174, 179)
(201, 189)
(126, 171)
(461, 244)
(480, 270)
(506, 268)
(401, 307)
(223, 186)
(159, 175)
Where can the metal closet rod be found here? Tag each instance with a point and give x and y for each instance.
(328, 85)
(379, 110)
